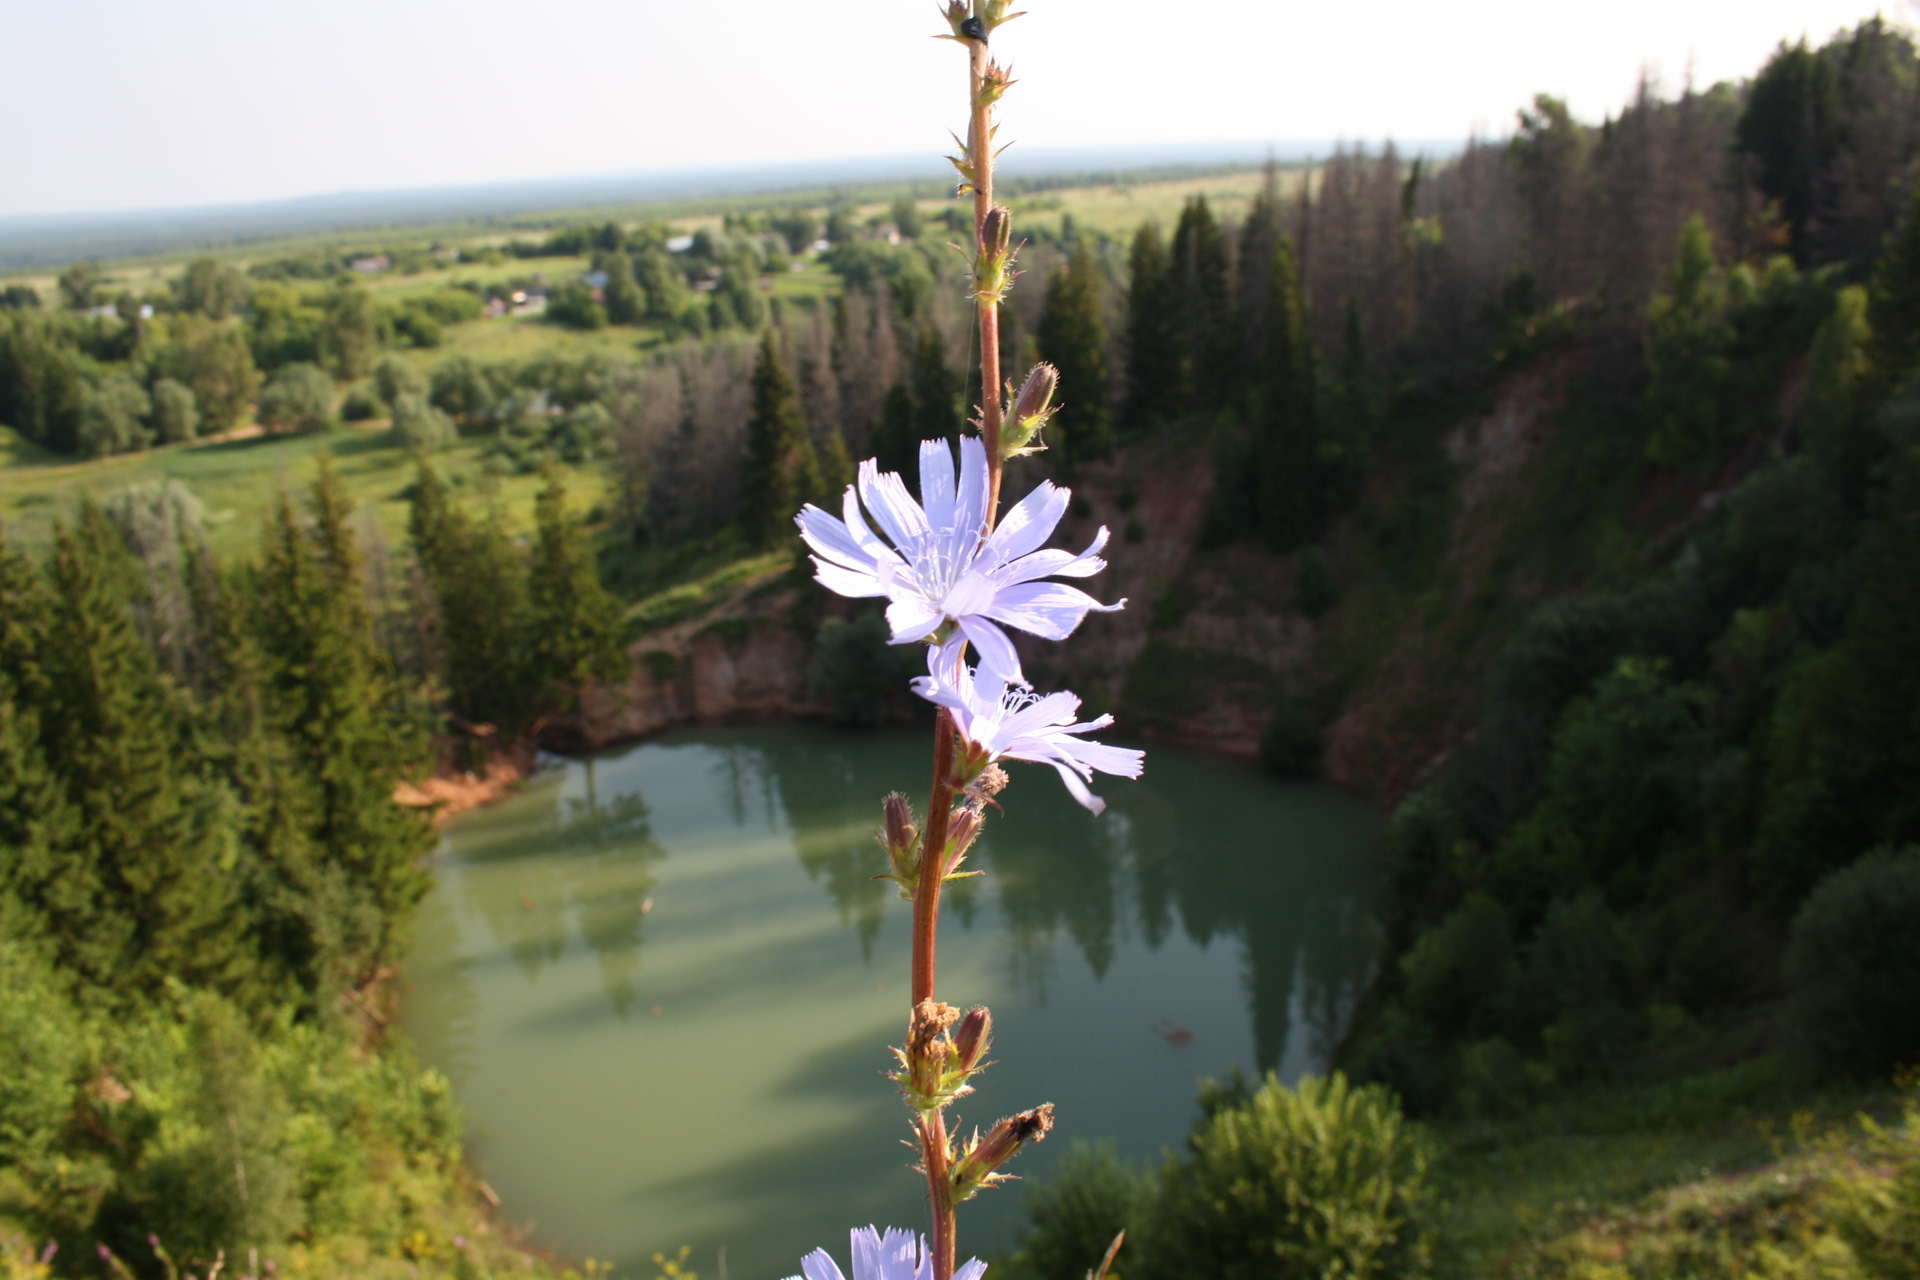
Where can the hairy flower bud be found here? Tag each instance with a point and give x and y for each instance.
(901, 833)
(996, 231)
(927, 1075)
(963, 828)
(971, 1041)
(901, 839)
(978, 1165)
(1031, 410)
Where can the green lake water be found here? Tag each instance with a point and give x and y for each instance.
(664, 982)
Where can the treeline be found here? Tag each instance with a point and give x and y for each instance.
(1669, 838)
(205, 876)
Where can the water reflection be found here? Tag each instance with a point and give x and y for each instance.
(706, 1072)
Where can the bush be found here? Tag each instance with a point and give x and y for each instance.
(572, 305)
(1456, 972)
(1321, 1180)
(299, 398)
(40, 1057)
(394, 377)
(176, 415)
(855, 673)
(418, 425)
(1291, 744)
(1072, 1219)
(1853, 966)
(113, 418)
(360, 404)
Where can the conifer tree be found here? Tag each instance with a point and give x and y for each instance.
(935, 416)
(1286, 443)
(480, 582)
(331, 692)
(574, 624)
(1072, 336)
(836, 469)
(626, 303)
(1153, 356)
(1258, 235)
(144, 895)
(781, 469)
(893, 441)
(1202, 303)
(1893, 300)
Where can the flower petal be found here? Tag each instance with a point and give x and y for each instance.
(898, 515)
(970, 506)
(1027, 525)
(911, 618)
(936, 483)
(971, 1269)
(1050, 610)
(819, 1265)
(1078, 790)
(846, 582)
(999, 662)
(1122, 762)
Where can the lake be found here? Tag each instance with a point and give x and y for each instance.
(664, 982)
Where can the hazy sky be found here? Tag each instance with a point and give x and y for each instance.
(128, 104)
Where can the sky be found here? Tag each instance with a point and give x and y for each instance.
(129, 104)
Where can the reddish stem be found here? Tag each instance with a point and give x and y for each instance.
(926, 897)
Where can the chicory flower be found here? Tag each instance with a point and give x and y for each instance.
(897, 1255)
(940, 569)
(1003, 722)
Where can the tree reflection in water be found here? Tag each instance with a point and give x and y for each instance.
(1181, 849)
(584, 864)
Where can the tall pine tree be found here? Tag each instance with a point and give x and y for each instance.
(781, 471)
(1153, 343)
(1072, 336)
(1286, 438)
(1203, 304)
(574, 624)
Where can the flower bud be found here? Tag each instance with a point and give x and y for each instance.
(956, 15)
(978, 1167)
(996, 231)
(1036, 393)
(964, 829)
(900, 831)
(971, 1041)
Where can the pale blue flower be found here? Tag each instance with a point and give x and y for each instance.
(939, 569)
(1003, 722)
(896, 1255)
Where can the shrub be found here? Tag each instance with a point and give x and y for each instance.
(113, 418)
(176, 415)
(40, 1056)
(1456, 971)
(1325, 1179)
(360, 403)
(1853, 965)
(1291, 745)
(394, 377)
(855, 673)
(1072, 1219)
(418, 425)
(299, 398)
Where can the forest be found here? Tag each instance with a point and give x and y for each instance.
(1653, 856)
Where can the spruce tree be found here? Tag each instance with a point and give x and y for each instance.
(893, 442)
(480, 583)
(1202, 304)
(781, 471)
(331, 692)
(575, 629)
(836, 469)
(1153, 354)
(1286, 438)
(934, 385)
(145, 895)
(1893, 300)
(1072, 337)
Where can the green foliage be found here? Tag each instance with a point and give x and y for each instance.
(176, 414)
(394, 377)
(626, 302)
(41, 393)
(1153, 356)
(1072, 1218)
(1854, 966)
(1198, 289)
(348, 332)
(1314, 590)
(40, 1057)
(1072, 337)
(1287, 475)
(1893, 307)
(1687, 340)
(113, 418)
(574, 626)
(1791, 127)
(213, 361)
(210, 288)
(297, 398)
(855, 673)
(1292, 746)
(1322, 1179)
(571, 304)
(780, 470)
(418, 425)
(466, 388)
(80, 285)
